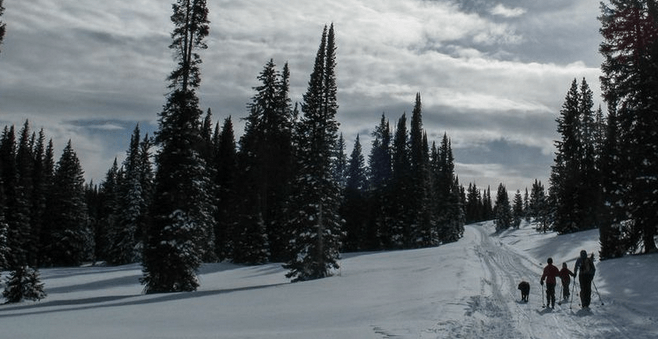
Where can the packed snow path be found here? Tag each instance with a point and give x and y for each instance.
(497, 312)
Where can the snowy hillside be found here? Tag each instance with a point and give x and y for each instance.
(461, 290)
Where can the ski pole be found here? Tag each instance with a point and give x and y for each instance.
(573, 290)
(597, 292)
(541, 290)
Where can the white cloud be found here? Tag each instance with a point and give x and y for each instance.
(501, 10)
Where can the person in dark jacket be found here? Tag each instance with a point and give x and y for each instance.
(587, 270)
(550, 273)
(565, 276)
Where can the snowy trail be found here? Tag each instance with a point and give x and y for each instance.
(498, 313)
(465, 289)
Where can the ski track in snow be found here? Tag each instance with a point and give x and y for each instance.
(497, 311)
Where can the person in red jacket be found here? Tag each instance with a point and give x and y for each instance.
(565, 275)
(550, 272)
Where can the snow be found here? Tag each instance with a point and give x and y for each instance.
(466, 289)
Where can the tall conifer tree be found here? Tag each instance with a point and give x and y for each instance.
(316, 224)
(630, 87)
(226, 172)
(69, 238)
(180, 233)
(380, 181)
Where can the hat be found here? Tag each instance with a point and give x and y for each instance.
(550, 260)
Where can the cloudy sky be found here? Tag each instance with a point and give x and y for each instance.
(492, 74)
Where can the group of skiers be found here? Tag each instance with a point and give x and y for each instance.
(584, 265)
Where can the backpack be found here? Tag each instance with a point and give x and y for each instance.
(587, 266)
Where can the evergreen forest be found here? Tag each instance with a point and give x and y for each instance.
(288, 191)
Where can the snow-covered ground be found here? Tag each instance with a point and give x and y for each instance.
(466, 289)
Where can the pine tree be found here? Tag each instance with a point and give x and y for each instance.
(566, 174)
(225, 180)
(45, 236)
(613, 244)
(379, 182)
(422, 234)
(23, 284)
(266, 161)
(4, 229)
(3, 26)
(517, 209)
(630, 87)
(315, 223)
(42, 181)
(15, 213)
(108, 210)
(450, 205)
(526, 205)
(69, 239)
(539, 206)
(473, 204)
(180, 231)
(130, 215)
(590, 191)
(400, 187)
(358, 236)
(502, 209)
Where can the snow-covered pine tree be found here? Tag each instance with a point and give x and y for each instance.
(42, 180)
(70, 239)
(20, 236)
(315, 223)
(450, 208)
(423, 234)
(565, 174)
(23, 284)
(590, 186)
(265, 160)
(15, 203)
(517, 209)
(502, 209)
(131, 211)
(180, 231)
(48, 163)
(630, 87)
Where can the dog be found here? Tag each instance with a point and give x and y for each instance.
(524, 286)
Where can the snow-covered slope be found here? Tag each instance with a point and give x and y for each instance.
(465, 289)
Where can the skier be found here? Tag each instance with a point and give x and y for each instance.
(565, 276)
(550, 272)
(587, 270)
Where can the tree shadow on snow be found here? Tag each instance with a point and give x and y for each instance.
(56, 306)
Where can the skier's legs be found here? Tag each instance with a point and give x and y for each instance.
(550, 294)
(565, 290)
(585, 289)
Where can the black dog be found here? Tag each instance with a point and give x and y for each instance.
(524, 286)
